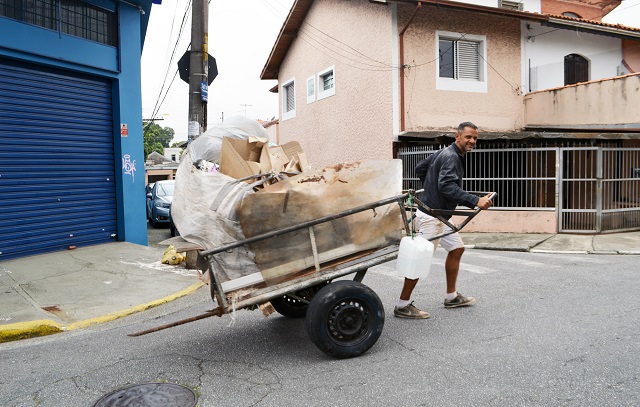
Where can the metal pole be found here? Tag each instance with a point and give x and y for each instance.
(198, 68)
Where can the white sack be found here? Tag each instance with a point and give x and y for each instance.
(207, 147)
(203, 211)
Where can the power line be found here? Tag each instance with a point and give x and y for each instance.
(158, 104)
(624, 8)
(337, 48)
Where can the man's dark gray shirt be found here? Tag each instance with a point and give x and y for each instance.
(442, 173)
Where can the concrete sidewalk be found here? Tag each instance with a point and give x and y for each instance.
(613, 243)
(67, 290)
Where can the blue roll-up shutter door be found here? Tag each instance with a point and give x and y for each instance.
(57, 168)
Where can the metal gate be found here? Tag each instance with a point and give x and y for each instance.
(592, 189)
(600, 189)
(57, 167)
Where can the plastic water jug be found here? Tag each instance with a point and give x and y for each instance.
(414, 257)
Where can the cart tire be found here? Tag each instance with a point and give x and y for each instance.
(345, 319)
(289, 307)
(292, 308)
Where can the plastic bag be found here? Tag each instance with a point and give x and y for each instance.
(207, 147)
(172, 257)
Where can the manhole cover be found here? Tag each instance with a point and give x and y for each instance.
(150, 395)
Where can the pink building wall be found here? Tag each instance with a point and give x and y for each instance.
(356, 123)
(495, 221)
(499, 109)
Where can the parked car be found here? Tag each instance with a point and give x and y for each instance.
(159, 202)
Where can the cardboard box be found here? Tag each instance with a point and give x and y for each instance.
(279, 158)
(241, 158)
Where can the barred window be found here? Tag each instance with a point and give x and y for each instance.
(327, 83)
(71, 17)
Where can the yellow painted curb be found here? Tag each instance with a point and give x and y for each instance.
(138, 308)
(30, 329)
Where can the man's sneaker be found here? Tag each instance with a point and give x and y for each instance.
(410, 311)
(459, 301)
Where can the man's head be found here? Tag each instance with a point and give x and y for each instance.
(466, 136)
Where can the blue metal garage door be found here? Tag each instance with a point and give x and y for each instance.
(57, 186)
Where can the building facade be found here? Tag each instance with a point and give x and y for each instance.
(71, 149)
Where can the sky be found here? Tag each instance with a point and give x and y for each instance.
(241, 36)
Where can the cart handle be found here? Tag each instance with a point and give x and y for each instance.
(438, 214)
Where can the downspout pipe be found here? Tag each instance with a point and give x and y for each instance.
(402, 65)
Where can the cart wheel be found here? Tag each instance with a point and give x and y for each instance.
(345, 319)
(293, 308)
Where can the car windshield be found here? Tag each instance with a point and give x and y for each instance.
(165, 189)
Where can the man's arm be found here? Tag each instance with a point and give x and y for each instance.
(449, 187)
(422, 168)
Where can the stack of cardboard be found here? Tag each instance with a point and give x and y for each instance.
(252, 160)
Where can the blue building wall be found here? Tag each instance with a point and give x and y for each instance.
(121, 65)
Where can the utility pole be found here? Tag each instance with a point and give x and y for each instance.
(198, 69)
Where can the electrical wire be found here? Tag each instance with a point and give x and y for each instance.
(342, 50)
(160, 99)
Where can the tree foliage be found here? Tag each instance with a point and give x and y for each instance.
(156, 138)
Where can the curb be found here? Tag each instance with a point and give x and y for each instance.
(29, 329)
(43, 327)
(559, 251)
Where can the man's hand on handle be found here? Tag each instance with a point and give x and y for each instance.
(485, 202)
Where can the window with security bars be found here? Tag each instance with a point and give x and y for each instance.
(576, 69)
(71, 17)
(459, 59)
(326, 83)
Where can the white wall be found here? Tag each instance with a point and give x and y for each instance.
(544, 49)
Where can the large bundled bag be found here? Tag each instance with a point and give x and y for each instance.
(204, 211)
(204, 203)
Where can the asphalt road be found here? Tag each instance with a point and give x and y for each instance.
(156, 235)
(548, 330)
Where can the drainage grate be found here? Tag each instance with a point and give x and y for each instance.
(150, 395)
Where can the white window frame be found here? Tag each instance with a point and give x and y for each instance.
(329, 92)
(286, 115)
(462, 85)
(311, 89)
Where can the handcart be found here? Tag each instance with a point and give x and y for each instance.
(344, 318)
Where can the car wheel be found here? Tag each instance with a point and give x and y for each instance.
(345, 319)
